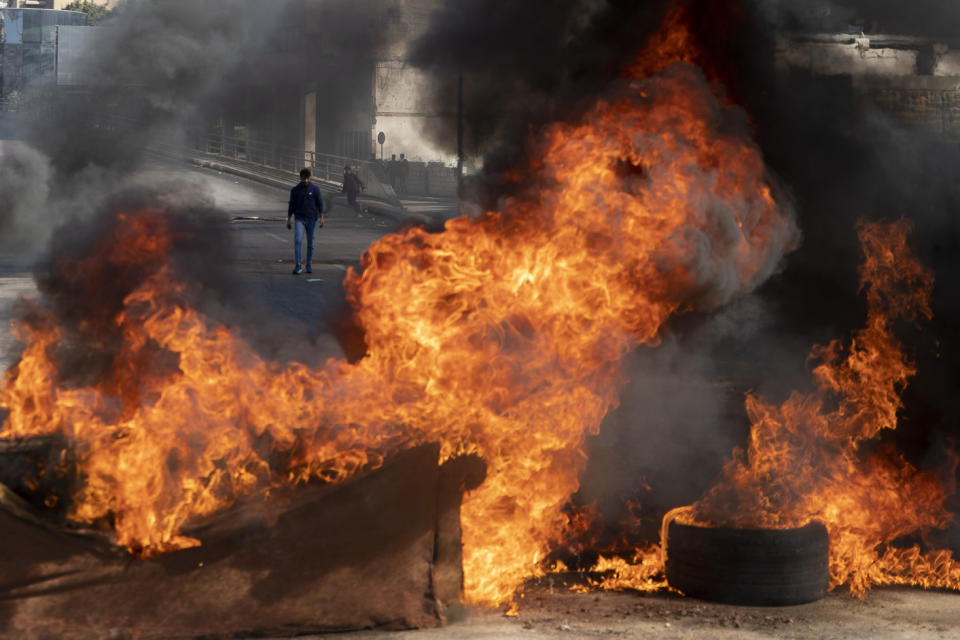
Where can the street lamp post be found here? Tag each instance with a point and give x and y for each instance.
(459, 126)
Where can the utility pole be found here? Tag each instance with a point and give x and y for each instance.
(459, 126)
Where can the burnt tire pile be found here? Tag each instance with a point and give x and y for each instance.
(755, 567)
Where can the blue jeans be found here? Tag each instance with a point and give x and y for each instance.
(303, 227)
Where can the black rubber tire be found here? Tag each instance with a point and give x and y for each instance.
(755, 567)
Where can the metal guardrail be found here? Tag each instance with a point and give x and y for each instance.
(273, 162)
(285, 161)
(281, 165)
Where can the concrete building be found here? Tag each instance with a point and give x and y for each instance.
(28, 47)
(35, 4)
(384, 94)
(402, 94)
(914, 80)
(339, 100)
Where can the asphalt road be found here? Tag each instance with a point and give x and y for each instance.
(544, 614)
(306, 305)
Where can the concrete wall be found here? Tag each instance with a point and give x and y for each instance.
(402, 94)
(28, 46)
(74, 44)
(851, 57)
(923, 103)
(434, 179)
(404, 111)
(914, 81)
(39, 4)
(947, 62)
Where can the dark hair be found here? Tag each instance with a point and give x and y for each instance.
(347, 168)
(305, 173)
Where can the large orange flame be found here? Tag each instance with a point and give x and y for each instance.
(501, 336)
(818, 456)
(808, 459)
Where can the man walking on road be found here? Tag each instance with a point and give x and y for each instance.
(352, 187)
(306, 206)
(403, 172)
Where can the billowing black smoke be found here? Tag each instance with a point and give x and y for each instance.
(927, 18)
(522, 66)
(170, 70)
(86, 277)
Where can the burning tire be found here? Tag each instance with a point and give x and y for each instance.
(759, 567)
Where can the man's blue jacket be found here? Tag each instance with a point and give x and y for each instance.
(306, 202)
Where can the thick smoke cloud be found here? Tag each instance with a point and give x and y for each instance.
(929, 18)
(163, 71)
(522, 67)
(25, 220)
(87, 275)
(153, 66)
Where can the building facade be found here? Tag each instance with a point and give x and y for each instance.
(34, 4)
(28, 47)
(913, 80)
